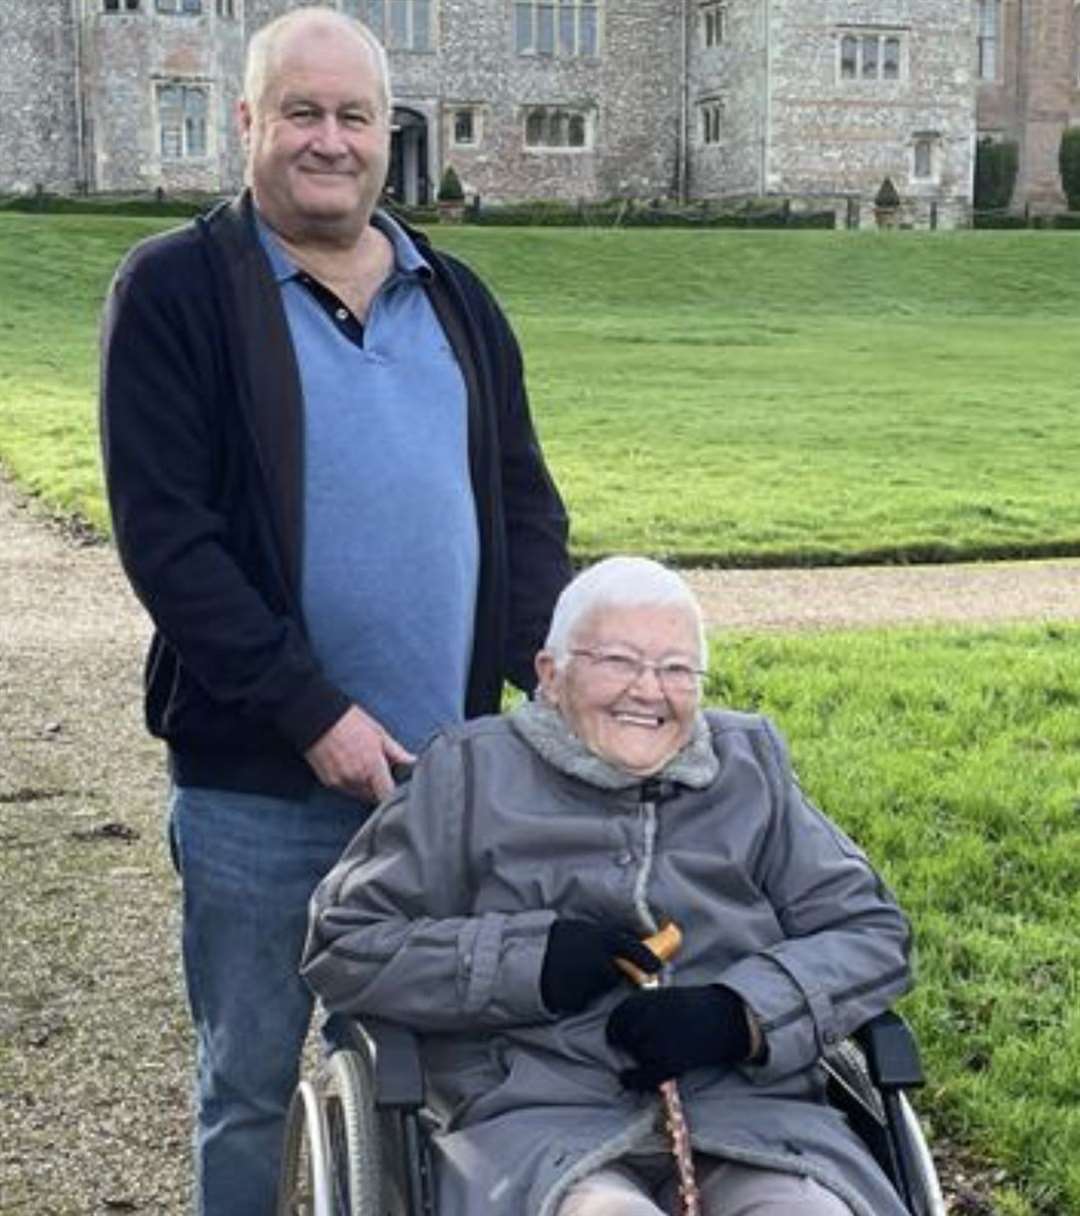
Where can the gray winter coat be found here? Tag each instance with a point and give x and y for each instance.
(438, 913)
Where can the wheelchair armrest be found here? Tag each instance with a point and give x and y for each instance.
(393, 1051)
(892, 1056)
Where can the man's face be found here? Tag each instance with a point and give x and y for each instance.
(318, 139)
(634, 721)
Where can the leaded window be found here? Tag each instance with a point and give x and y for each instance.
(871, 56)
(182, 115)
(566, 28)
(556, 127)
(713, 24)
(987, 39)
(400, 25)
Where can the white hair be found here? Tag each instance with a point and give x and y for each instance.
(264, 45)
(619, 582)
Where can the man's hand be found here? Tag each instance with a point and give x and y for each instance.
(354, 756)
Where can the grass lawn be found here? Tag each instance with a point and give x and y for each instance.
(953, 758)
(732, 397)
(771, 397)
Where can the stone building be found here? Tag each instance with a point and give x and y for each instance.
(694, 99)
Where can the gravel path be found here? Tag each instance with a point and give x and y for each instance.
(93, 1041)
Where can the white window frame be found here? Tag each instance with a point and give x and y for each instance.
(180, 8)
(476, 117)
(557, 29)
(713, 25)
(184, 155)
(872, 55)
(930, 142)
(563, 119)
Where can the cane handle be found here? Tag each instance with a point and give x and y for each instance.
(664, 944)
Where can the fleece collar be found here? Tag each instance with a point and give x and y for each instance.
(546, 732)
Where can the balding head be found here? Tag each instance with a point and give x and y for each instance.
(268, 46)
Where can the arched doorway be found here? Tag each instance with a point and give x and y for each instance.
(407, 181)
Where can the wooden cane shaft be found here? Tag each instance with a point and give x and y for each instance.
(664, 944)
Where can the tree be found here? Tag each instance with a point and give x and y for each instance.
(995, 173)
(450, 190)
(1069, 163)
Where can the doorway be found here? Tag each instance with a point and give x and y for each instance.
(407, 180)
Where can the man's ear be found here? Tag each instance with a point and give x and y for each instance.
(244, 119)
(546, 674)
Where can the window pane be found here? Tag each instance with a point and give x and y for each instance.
(566, 28)
(576, 131)
(170, 103)
(523, 39)
(398, 35)
(587, 41)
(463, 127)
(195, 131)
(421, 34)
(988, 18)
(870, 58)
(922, 158)
(848, 55)
(192, 6)
(545, 29)
(534, 128)
(555, 136)
(377, 18)
(891, 63)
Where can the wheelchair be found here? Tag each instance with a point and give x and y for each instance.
(358, 1133)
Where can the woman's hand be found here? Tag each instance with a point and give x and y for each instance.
(579, 963)
(671, 1030)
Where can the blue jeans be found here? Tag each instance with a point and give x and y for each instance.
(248, 865)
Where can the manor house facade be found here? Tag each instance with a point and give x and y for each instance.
(571, 99)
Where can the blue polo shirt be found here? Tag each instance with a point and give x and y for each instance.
(390, 544)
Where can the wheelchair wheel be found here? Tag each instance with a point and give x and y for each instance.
(348, 1102)
(928, 1199)
(305, 1187)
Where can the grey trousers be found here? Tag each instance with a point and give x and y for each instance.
(727, 1189)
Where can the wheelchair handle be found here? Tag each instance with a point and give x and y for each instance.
(664, 944)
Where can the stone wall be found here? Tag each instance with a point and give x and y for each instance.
(731, 75)
(830, 134)
(129, 56)
(789, 124)
(39, 117)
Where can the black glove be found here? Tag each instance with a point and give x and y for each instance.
(579, 964)
(671, 1030)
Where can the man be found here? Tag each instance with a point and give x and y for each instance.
(327, 492)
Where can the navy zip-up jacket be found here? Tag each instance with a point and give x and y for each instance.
(201, 419)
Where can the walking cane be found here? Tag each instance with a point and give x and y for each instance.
(665, 945)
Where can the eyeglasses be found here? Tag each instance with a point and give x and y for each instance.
(621, 670)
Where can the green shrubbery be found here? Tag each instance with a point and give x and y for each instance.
(996, 165)
(1069, 163)
(624, 213)
(109, 204)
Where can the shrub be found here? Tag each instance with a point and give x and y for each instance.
(1069, 163)
(450, 190)
(995, 173)
(887, 197)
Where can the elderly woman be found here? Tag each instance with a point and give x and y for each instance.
(485, 904)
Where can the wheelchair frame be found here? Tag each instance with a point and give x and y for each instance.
(358, 1133)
